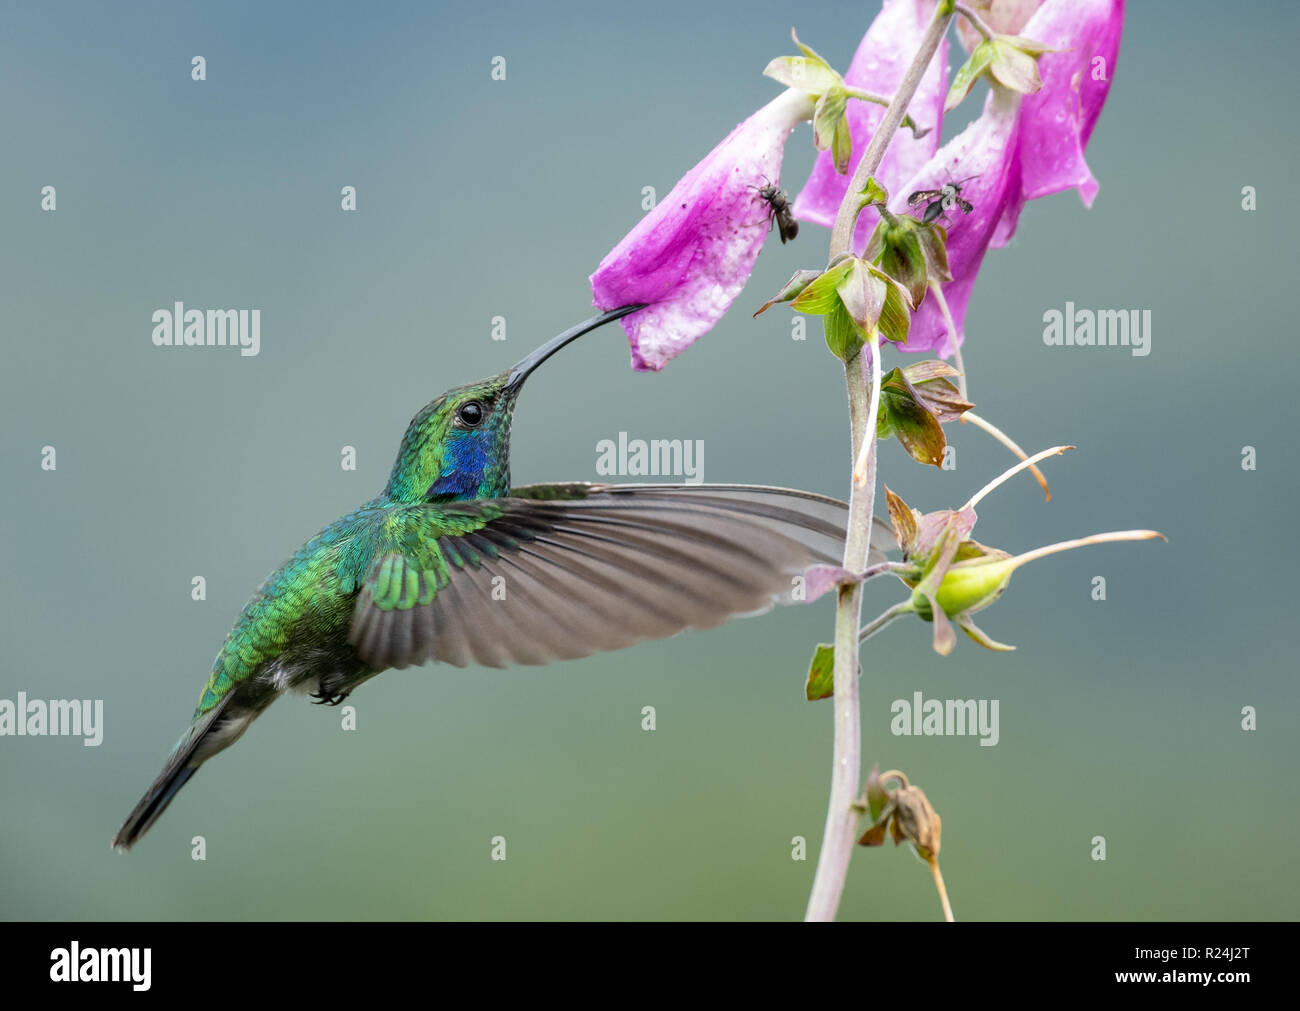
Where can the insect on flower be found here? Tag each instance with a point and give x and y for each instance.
(778, 210)
(941, 200)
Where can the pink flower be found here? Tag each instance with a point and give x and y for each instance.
(878, 65)
(691, 255)
(1021, 148)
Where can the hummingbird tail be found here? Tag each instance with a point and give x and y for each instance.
(213, 733)
(152, 804)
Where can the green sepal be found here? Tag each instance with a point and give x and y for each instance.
(896, 316)
(792, 289)
(877, 795)
(903, 259)
(799, 72)
(1016, 67)
(818, 297)
(916, 428)
(928, 385)
(874, 193)
(827, 116)
(1010, 60)
(934, 248)
(978, 61)
(976, 633)
(810, 73)
(842, 336)
(842, 145)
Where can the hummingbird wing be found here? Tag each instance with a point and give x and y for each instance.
(563, 571)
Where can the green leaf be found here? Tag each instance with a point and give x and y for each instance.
(821, 673)
(966, 77)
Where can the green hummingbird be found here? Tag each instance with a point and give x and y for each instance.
(450, 563)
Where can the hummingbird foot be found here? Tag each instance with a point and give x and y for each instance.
(331, 699)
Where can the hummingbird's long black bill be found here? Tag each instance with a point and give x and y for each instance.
(521, 371)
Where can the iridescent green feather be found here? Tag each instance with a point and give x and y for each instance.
(400, 554)
(418, 549)
(311, 593)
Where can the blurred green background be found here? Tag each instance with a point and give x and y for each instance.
(480, 198)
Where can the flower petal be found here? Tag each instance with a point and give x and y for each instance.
(879, 66)
(1060, 119)
(988, 151)
(692, 254)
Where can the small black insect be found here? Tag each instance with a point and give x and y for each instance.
(778, 211)
(941, 200)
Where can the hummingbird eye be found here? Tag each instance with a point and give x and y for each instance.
(470, 414)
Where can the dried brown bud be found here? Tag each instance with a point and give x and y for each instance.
(915, 820)
(904, 811)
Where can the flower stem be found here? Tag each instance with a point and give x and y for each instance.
(943, 892)
(908, 123)
(877, 623)
(839, 836)
(936, 290)
(975, 21)
(868, 447)
(840, 833)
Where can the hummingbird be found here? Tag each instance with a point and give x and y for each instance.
(450, 563)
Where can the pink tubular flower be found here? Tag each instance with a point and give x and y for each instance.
(879, 65)
(691, 255)
(1021, 148)
(986, 154)
(1060, 118)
